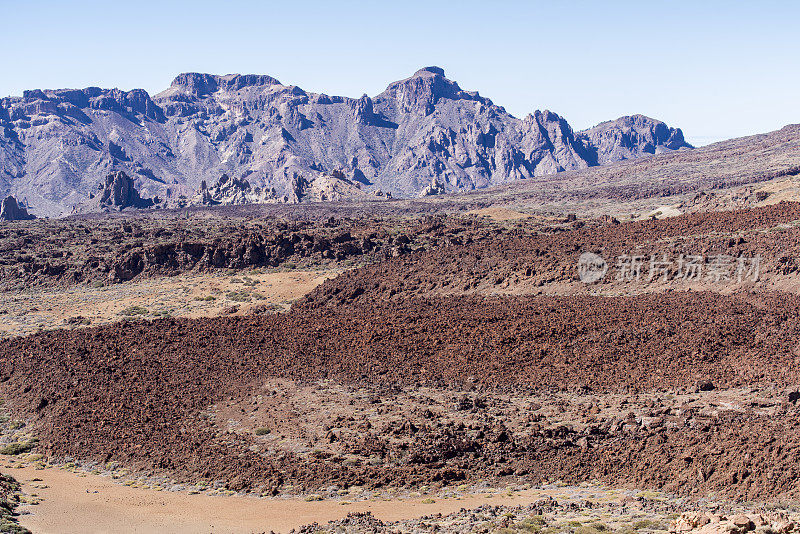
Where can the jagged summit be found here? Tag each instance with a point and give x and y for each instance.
(425, 88)
(424, 71)
(423, 135)
(630, 137)
(200, 84)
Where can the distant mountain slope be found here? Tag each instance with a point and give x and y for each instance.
(423, 135)
(728, 168)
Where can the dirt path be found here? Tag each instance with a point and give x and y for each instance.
(70, 502)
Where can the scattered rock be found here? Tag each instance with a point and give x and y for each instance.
(708, 523)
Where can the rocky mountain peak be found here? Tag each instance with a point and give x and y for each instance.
(629, 137)
(427, 71)
(135, 104)
(201, 84)
(422, 91)
(422, 135)
(196, 83)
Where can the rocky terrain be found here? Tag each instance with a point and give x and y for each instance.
(423, 135)
(101, 251)
(546, 261)
(559, 517)
(467, 252)
(147, 396)
(472, 353)
(682, 179)
(431, 348)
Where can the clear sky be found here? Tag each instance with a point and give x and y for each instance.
(717, 69)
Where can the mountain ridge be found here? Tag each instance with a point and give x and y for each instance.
(422, 135)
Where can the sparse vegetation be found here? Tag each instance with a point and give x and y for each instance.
(132, 311)
(12, 449)
(239, 296)
(649, 524)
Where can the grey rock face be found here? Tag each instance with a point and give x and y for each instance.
(116, 192)
(630, 137)
(10, 210)
(228, 191)
(422, 135)
(119, 191)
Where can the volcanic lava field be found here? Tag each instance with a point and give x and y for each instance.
(464, 351)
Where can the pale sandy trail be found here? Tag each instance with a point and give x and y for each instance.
(69, 505)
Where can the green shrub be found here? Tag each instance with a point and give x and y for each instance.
(262, 431)
(531, 524)
(238, 296)
(596, 528)
(649, 524)
(16, 448)
(131, 311)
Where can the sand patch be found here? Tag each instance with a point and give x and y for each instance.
(188, 295)
(70, 502)
(500, 213)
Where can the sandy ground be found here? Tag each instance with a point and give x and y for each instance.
(780, 189)
(70, 502)
(189, 295)
(500, 213)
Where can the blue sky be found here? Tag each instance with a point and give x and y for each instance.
(715, 69)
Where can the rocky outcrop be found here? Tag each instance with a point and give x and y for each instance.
(630, 137)
(287, 143)
(10, 210)
(229, 191)
(117, 192)
(237, 191)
